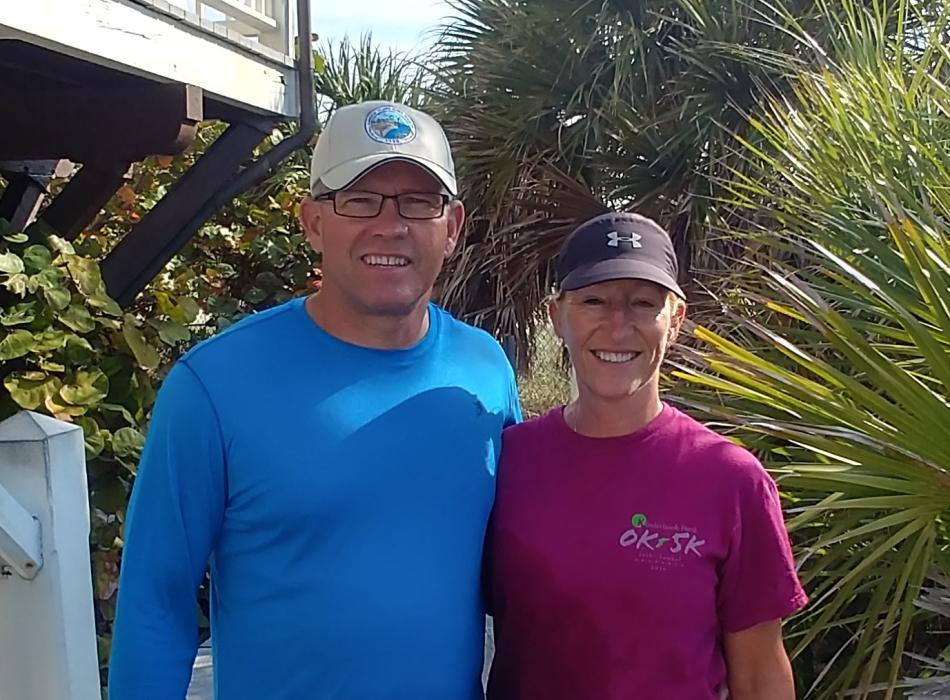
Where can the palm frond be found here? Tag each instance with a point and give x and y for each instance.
(837, 367)
(642, 104)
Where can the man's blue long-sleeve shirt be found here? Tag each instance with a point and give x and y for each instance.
(341, 494)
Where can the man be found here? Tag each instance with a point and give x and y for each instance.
(334, 457)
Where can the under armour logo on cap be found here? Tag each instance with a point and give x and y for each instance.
(614, 246)
(614, 238)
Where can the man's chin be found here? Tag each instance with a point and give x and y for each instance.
(393, 308)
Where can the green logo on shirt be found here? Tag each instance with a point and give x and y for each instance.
(638, 520)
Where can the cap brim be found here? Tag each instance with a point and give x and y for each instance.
(346, 173)
(619, 269)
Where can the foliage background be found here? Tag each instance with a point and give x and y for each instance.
(69, 351)
(799, 152)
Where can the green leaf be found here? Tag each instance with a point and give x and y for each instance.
(145, 354)
(268, 281)
(19, 314)
(104, 303)
(11, 263)
(128, 442)
(16, 237)
(49, 340)
(30, 389)
(255, 295)
(185, 311)
(56, 405)
(87, 387)
(36, 258)
(165, 303)
(94, 438)
(85, 272)
(220, 305)
(112, 497)
(57, 297)
(77, 318)
(16, 344)
(189, 309)
(18, 284)
(49, 278)
(121, 410)
(60, 245)
(172, 333)
(78, 350)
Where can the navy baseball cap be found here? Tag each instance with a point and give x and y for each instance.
(617, 246)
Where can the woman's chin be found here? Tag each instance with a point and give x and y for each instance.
(611, 392)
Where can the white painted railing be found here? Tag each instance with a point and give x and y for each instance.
(47, 627)
(269, 23)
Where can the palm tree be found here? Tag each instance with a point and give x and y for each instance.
(557, 108)
(349, 71)
(936, 684)
(836, 362)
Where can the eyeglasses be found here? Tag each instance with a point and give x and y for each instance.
(366, 205)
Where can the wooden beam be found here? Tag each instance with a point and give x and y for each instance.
(84, 196)
(21, 198)
(26, 188)
(179, 214)
(84, 123)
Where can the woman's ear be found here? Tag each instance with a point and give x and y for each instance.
(554, 313)
(677, 316)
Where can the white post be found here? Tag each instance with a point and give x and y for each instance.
(47, 626)
(21, 541)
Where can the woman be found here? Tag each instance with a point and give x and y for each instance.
(634, 553)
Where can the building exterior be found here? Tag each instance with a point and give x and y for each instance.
(106, 83)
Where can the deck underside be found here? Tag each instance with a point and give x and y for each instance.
(137, 39)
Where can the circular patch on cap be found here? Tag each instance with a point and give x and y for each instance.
(390, 125)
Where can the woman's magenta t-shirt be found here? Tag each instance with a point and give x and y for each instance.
(616, 564)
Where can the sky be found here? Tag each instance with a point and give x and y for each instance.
(400, 24)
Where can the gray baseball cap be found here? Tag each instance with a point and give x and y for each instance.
(615, 246)
(359, 137)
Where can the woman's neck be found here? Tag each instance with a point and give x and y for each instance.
(595, 417)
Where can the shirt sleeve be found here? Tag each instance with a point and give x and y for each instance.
(514, 401)
(758, 580)
(172, 523)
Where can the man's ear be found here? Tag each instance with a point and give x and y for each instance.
(311, 219)
(455, 220)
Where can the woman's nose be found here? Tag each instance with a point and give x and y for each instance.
(620, 321)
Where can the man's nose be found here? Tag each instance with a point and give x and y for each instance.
(389, 222)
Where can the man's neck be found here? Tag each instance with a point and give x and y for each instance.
(383, 332)
(595, 417)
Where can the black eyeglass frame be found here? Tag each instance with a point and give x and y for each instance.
(331, 196)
